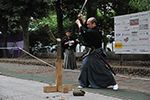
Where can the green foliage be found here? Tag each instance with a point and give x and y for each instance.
(12, 10)
(51, 20)
(39, 35)
(42, 12)
(19, 13)
(142, 5)
(71, 8)
(37, 30)
(107, 10)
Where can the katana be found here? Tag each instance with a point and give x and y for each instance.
(83, 6)
(101, 57)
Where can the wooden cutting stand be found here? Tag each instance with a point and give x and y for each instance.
(57, 87)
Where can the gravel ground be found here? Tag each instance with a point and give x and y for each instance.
(137, 63)
(134, 83)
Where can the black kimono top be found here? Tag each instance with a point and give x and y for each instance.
(92, 37)
(65, 39)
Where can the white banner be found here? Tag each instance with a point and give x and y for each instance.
(132, 33)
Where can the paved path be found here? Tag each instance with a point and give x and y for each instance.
(21, 89)
(127, 89)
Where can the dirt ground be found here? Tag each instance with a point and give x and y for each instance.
(134, 83)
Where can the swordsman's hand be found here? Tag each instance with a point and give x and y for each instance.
(78, 23)
(80, 16)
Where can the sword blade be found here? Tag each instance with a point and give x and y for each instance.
(83, 6)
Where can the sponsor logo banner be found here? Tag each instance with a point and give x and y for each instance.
(118, 45)
(134, 22)
(132, 33)
(143, 38)
(143, 27)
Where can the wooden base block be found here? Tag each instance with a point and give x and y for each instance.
(69, 87)
(50, 89)
(63, 89)
(54, 88)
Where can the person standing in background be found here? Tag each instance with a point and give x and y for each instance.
(68, 44)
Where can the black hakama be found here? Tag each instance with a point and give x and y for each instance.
(95, 73)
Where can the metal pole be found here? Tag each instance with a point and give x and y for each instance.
(121, 59)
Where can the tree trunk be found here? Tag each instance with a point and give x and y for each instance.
(59, 19)
(91, 10)
(59, 23)
(4, 28)
(25, 25)
(5, 44)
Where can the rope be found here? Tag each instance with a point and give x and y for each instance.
(8, 47)
(36, 57)
(28, 54)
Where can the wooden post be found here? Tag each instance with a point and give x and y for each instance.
(58, 73)
(58, 69)
(57, 87)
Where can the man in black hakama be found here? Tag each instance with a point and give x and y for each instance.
(68, 43)
(94, 72)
